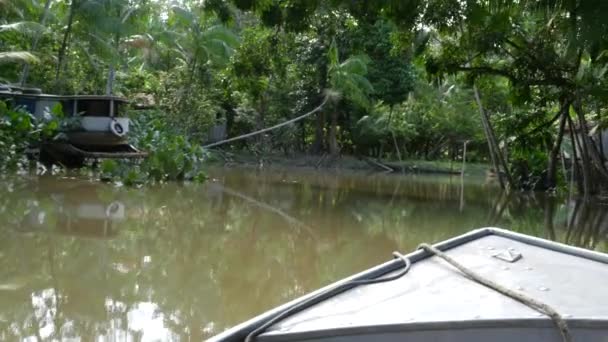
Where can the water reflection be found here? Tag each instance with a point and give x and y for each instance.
(85, 261)
(70, 206)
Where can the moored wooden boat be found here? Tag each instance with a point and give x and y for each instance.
(514, 288)
(98, 127)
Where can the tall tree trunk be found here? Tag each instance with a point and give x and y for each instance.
(601, 134)
(390, 116)
(334, 149)
(64, 43)
(574, 164)
(112, 68)
(317, 146)
(318, 143)
(549, 211)
(551, 180)
(26, 66)
(584, 162)
(110, 82)
(302, 147)
(590, 146)
(501, 157)
(488, 134)
(262, 121)
(185, 94)
(464, 157)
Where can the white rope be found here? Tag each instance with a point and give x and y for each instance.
(249, 135)
(532, 303)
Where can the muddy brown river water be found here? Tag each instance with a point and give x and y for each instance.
(84, 261)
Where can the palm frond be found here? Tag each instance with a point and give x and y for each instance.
(28, 28)
(139, 41)
(219, 32)
(17, 57)
(362, 83)
(355, 65)
(103, 46)
(218, 50)
(127, 14)
(183, 14)
(348, 77)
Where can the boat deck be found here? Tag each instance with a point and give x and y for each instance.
(435, 302)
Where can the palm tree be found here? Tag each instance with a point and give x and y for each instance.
(63, 49)
(196, 43)
(199, 43)
(104, 28)
(35, 40)
(346, 79)
(108, 24)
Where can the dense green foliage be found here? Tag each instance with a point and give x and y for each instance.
(20, 130)
(172, 157)
(516, 81)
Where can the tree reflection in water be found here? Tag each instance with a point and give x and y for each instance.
(183, 262)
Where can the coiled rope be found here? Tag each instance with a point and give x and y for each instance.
(532, 303)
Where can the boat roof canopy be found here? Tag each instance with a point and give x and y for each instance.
(66, 97)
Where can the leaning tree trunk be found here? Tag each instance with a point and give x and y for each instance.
(551, 180)
(492, 146)
(64, 43)
(501, 157)
(26, 66)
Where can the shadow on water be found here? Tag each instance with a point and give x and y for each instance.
(171, 262)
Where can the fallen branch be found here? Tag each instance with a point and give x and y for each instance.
(380, 165)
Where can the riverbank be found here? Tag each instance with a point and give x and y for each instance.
(344, 162)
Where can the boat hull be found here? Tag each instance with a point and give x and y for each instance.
(89, 138)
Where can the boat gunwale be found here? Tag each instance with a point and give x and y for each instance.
(240, 331)
(519, 323)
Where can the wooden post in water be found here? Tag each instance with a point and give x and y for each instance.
(464, 157)
(464, 161)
